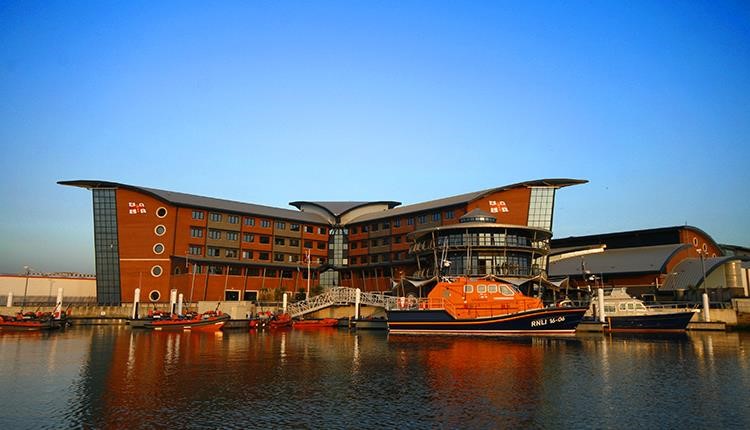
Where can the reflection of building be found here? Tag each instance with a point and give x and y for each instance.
(665, 261)
(212, 249)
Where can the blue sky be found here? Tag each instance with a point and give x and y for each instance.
(271, 102)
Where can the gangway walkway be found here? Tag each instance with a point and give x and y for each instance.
(340, 296)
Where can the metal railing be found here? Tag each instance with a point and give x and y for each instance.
(339, 296)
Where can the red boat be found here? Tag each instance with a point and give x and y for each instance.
(325, 322)
(30, 321)
(207, 321)
(281, 321)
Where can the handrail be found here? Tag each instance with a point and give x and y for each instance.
(339, 296)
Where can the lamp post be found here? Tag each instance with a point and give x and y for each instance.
(706, 312)
(27, 269)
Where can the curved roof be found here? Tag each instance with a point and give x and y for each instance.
(689, 273)
(468, 197)
(201, 202)
(637, 260)
(632, 238)
(337, 209)
(462, 226)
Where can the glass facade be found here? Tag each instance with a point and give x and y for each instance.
(338, 247)
(540, 207)
(106, 247)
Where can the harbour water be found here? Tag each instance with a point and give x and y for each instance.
(115, 377)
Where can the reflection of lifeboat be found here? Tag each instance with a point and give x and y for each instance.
(281, 321)
(207, 321)
(31, 321)
(325, 322)
(480, 306)
(624, 313)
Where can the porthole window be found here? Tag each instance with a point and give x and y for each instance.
(160, 230)
(705, 248)
(161, 212)
(695, 241)
(158, 248)
(154, 296)
(156, 271)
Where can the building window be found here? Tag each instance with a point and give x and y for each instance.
(156, 271)
(410, 221)
(196, 232)
(436, 216)
(540, 207)
(195, 250)
(230, 253)
(365, 229)
(213, 252)
(374, 242)
(233, 219)
(265, 239)
(397, 222)
(263, 256)
(214, 234)
(293, 242)
(279, 241)
(353, 260)
(449, 214)
(280, 225)
(354, 245)
(249, 221)
(397, 239)
(364, 244)
(265, 223)
(293, 258)
(354, 230)
(374, 227)
(199, 214)
(247, 255)
(232, 235)
(386, 225)
(294, 227)
(321, 230)
(321, 245)
(248, 237)
(161, 212)
(213, 216)
(278, 256)
(308, 229)
(308, 244)
(386, 241)
(422, 219)
(158, 248)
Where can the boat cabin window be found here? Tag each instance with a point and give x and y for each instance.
(622, 306)
(492, 288)
(468, 288)
(506, 290)
(609, 308)
(640, 306)
(481, 288)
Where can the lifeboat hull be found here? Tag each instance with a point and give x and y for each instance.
(325, 322)
(204, 324)
(539, 321)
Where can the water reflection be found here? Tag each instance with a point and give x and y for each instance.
(112, 377)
